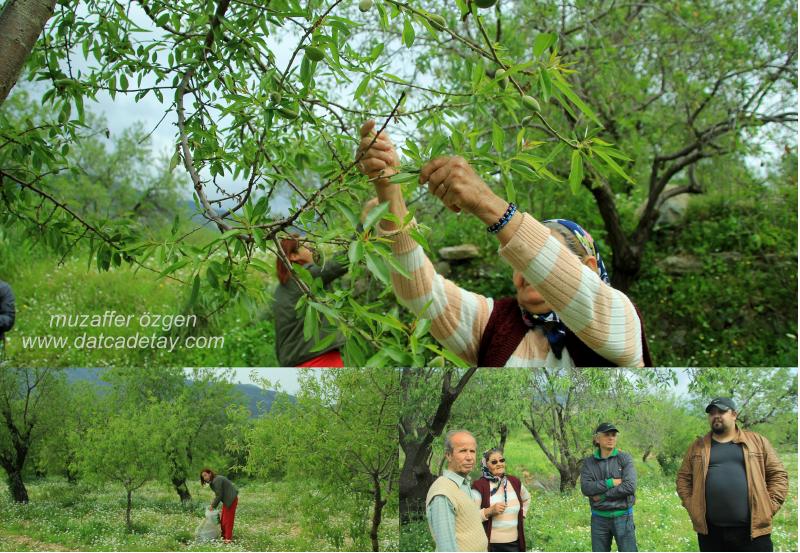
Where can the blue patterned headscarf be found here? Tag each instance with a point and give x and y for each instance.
(487, 474)
(553, 328)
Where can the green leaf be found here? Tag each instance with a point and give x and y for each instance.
(498, 137)
(565, 89)
(376, 215)
(362, 87)
(542, 43)
(356, 251)
(408, 33)
(325, 342)
(310, 323)
(377, 267)
(576, 171)
(195, 290)
(613, 165)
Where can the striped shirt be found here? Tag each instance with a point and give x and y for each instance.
(602, 317)
(504, 525)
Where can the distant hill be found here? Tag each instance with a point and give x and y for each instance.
(258, 401)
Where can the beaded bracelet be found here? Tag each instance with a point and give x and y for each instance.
(498, 226)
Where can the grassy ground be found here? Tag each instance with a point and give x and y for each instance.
(270, 517)
(560, 522)
(44, 288)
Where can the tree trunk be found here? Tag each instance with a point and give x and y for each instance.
(646, 453)
(503, 435)
(569, 479)
(16, 486)
(21, 23)
(128, 513)
(182, 489)
(377, 512)
(415, 475)
(415, 479)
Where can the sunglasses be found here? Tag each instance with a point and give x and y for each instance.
(495, 461)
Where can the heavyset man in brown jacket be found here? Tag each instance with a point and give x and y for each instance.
(732, 483)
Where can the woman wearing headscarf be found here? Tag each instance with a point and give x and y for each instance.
(227, 494)
(291, 347)
(564, 313)
(503, 501)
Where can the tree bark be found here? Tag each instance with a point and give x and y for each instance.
(415, 475)
(21, 23)
(503, 435)
(16, 486)
(179, 483)
(377, 512)
(128, 513)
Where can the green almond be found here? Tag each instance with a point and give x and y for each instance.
(531, 103)
(314, 53)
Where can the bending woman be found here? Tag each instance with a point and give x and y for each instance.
(564, 313)
(292, 349)
(225, 492)
(503, 501)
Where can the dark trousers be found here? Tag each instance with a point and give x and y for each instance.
(732, 539)
(510, 546)
(621, 529)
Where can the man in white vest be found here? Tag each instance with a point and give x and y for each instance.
(454, 519)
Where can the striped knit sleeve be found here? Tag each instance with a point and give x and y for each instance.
(602, 317)
(458, 317)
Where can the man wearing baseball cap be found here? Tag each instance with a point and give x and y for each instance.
(732, 483)
(608, 479)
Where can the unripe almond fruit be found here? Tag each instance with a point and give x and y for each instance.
(365, 5)
(314, 53)
(531, 103)
(437, 22)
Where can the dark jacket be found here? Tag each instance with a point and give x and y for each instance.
(225, 491)
(7, 309)
(505, 330)
(767, 481)
(482, 485)
(290, 345)
(596, 480)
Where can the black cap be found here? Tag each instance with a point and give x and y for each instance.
(606, 427)
(721, 403)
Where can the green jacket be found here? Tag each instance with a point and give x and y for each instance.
(290, 346)
(225, 491)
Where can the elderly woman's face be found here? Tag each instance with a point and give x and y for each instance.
(497, 464)
(302, 256)
(206, 476)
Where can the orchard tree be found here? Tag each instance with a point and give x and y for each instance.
(125, 449)
(31, 404)
(427, 399)
(760, 394)
(343, 419)
(254, 125)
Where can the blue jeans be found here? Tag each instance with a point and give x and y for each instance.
(621, 528)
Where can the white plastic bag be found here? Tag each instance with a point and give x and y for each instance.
(209, 528)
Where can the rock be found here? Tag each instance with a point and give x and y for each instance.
(459, 253)
(443, 268)
(671, 212)
(681, 264)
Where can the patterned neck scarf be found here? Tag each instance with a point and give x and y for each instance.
(554, 330)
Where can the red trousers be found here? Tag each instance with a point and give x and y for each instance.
(226, 520)
(328, 359)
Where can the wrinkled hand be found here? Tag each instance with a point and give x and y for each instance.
(617, 481)
(496, 509)
(455, 182)
(595, 498)
(380, 159)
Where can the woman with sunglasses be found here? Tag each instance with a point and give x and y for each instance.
(503, 501)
